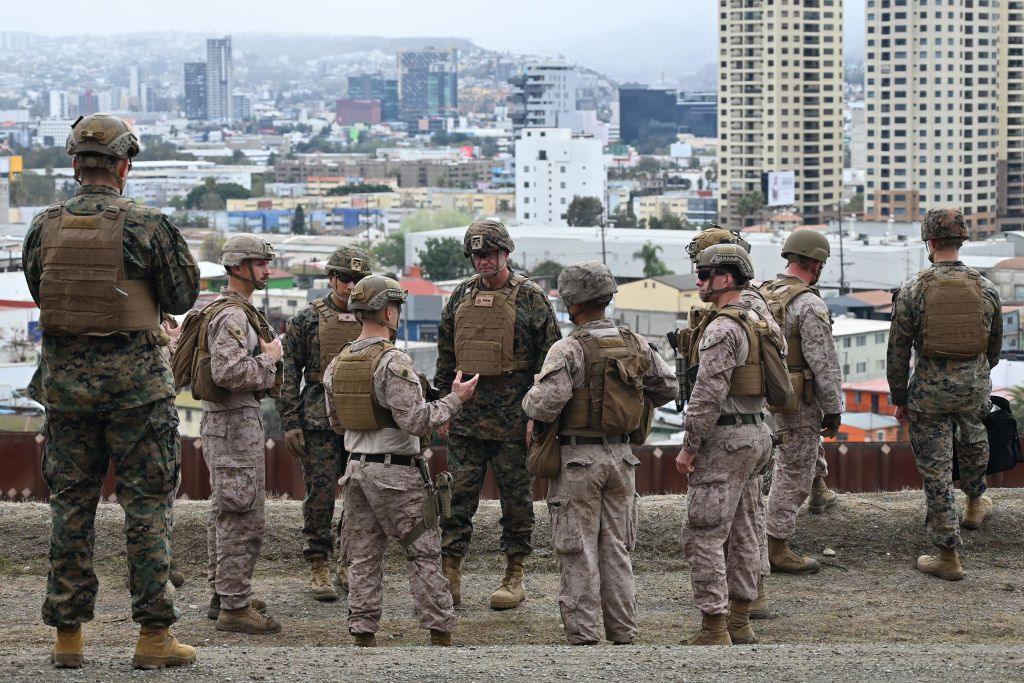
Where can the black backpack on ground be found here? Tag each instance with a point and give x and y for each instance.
(1003, 440)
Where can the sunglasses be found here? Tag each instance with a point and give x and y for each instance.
(705, 274)
(349, 279)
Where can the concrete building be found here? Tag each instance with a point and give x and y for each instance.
(219, 79)
(861, 346)
(349, 112)
(1010, 153)
(242, 107)
(780, 75)
(428, 83)
(649, 116)
(552, 167)
(932, 120)
(376, 87)
(653, 306)
(543, 96)
(195, 91)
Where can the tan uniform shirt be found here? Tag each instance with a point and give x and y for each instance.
(396, 386)
(234, 363)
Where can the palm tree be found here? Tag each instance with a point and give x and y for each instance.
(653, 265)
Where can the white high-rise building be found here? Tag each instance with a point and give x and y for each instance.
(552, 167)
(59, 104)
(932, 97)
(780, 75)
(543, 95)
(1011, 113)
(219, 79)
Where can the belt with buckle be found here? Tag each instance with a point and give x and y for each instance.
(574, 440)
(740, 419)
(384, 458)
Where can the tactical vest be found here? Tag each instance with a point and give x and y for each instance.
(84, 290)
(334, 330)
(611, 401)
(780, 294)
(953, 324)
(748, 379)
(485, 326)
(351, 386)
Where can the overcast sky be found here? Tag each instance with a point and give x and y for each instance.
(623, 38)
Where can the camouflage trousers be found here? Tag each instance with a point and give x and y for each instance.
(761, 525)
(594, 515)
(382, 502)
(467, 461)
(798, 459)
(143, 444)
(233, 447)
(719, 535)
(323, 464)
(934, 438)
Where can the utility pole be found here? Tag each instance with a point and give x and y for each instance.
(842, 260)
(604, 255)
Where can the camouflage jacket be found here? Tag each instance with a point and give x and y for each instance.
(939, 385)
(305, 408)
(496, 409)
(87, 373)
(564, 370)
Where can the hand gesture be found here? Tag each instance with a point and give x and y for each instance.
(272, 349)
(464, 390)
(684, 462)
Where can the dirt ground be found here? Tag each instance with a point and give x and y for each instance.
(867, 615)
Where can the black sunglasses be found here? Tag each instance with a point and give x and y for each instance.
(349, 279)
(705, 274)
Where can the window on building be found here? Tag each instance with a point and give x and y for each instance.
(862, 339)
(862, 367)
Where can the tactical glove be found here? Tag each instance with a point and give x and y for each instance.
(830, 425)
(296, 441)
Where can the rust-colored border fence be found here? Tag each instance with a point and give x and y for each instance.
(853, 467)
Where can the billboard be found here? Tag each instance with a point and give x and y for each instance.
(779, 188)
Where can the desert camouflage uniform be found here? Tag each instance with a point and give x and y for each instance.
(800, 457)
(323, 463)
(719, 534)
(492, 428)
(233, 447)
(947, 400)
(593, 502)
(386, 501)
(112, 399)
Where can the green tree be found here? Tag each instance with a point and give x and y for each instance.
(1017, 406)
(30, 189)
(648, 165)
(653, 265)
(358, 188)
(213, 196)
(623, 216)
(442, 259)
(298, 221)
(435, 220)
(210, 248)
(584, 211)
(748, 204)
(389, 252)
(547, 269)
(667, 221)
(184, 219)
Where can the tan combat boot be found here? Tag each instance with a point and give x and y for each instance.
(247, 620)
(176, 578)
(821, 498)
(784, 560)
(213, 610)
(341, 578)
(740, 630)
(759, 608)
(713, 631)
(510, 593)
(320, 583)
(978, 510)
(945, 566)
(441, 638)
(158, 649)
(364, 640)
(67, 651)
(451, 565)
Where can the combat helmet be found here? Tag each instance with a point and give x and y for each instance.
(374, 293)
(102, 134)
(714, 234)
(486, 235)
(730, 256)
(807, 242)
(586, 281)
(348, 261)
(948, 222)
(242, 246)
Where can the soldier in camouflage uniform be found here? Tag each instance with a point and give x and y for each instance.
(244, 366)
(106, 385)
(592, 502)
(499, 325)
(800, 463)
(727, 444)
(951, 316)
(314, 336)
(749, 295)
(374, 396)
